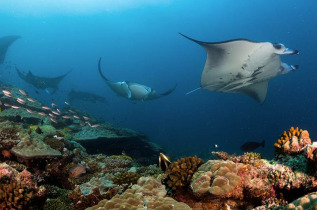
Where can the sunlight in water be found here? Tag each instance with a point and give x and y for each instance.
(48, 7)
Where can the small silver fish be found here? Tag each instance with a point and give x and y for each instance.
(30, 111)
(56, 113)
(15, 107)
(31, 100)
(46, 108)
(22, 92)
(53, 120)
(42, 113)
(6, 92)
(67, 103)
(66, 116)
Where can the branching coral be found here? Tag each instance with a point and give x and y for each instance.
(180, 172)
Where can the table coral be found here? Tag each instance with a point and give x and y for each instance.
(181, 171)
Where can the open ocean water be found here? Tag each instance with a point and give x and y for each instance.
(139, 41)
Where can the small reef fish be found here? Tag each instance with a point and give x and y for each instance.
(71, 111)
(58, 110)
(7, 105)
(82, 124)
(53, 120)
(42, 113)
(15, 107)
(216, 146)
(30, 111)
(251, 145)
(8, 95)
(56, 113)
(86, 118)
(66, 117)
(76, 171)
(6, 92)
(20, 101)
(46, 108)
(31, 100)
(95, 125)
(164, 162)
(51, 115)
(75, 116)
(67, 103)
(54, 105)
(22, 92)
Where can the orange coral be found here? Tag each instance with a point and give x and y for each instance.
(180, 172)
(292, 141)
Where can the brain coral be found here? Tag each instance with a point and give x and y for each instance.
(218, 178)
(180, 172)
(308, 201)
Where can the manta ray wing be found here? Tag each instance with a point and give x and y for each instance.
(5, 43)
(241, 66)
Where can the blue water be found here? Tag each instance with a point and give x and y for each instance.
(139, 41)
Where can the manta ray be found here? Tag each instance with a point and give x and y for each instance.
(243, 66)
(5, 43)
(44, 83)
(85, 96)
(133, 90)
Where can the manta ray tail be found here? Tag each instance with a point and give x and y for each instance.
(192, 91)
(100, 72)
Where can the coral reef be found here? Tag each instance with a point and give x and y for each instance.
(308, 201)
(16, 188)
(29, 148)
(218, 178)
(126, 178)
(181, 171)
(148, 194)
(292, 141)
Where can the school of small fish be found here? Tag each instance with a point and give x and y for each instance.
(52, 114)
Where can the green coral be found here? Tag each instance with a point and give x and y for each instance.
(126, 178)
(151, 170)
(54, 204)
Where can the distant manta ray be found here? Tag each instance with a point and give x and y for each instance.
(132, 90)
(85, 96)
(5, 43)
(243, 66)
(42, 82)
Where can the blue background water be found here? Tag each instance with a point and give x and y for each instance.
(140, 42)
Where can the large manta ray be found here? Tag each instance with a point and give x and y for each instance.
(132, 90)
(85, 96)
(44, 83)
(5, 43)
(243, 66)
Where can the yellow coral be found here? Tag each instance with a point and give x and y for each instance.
(287, 135)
